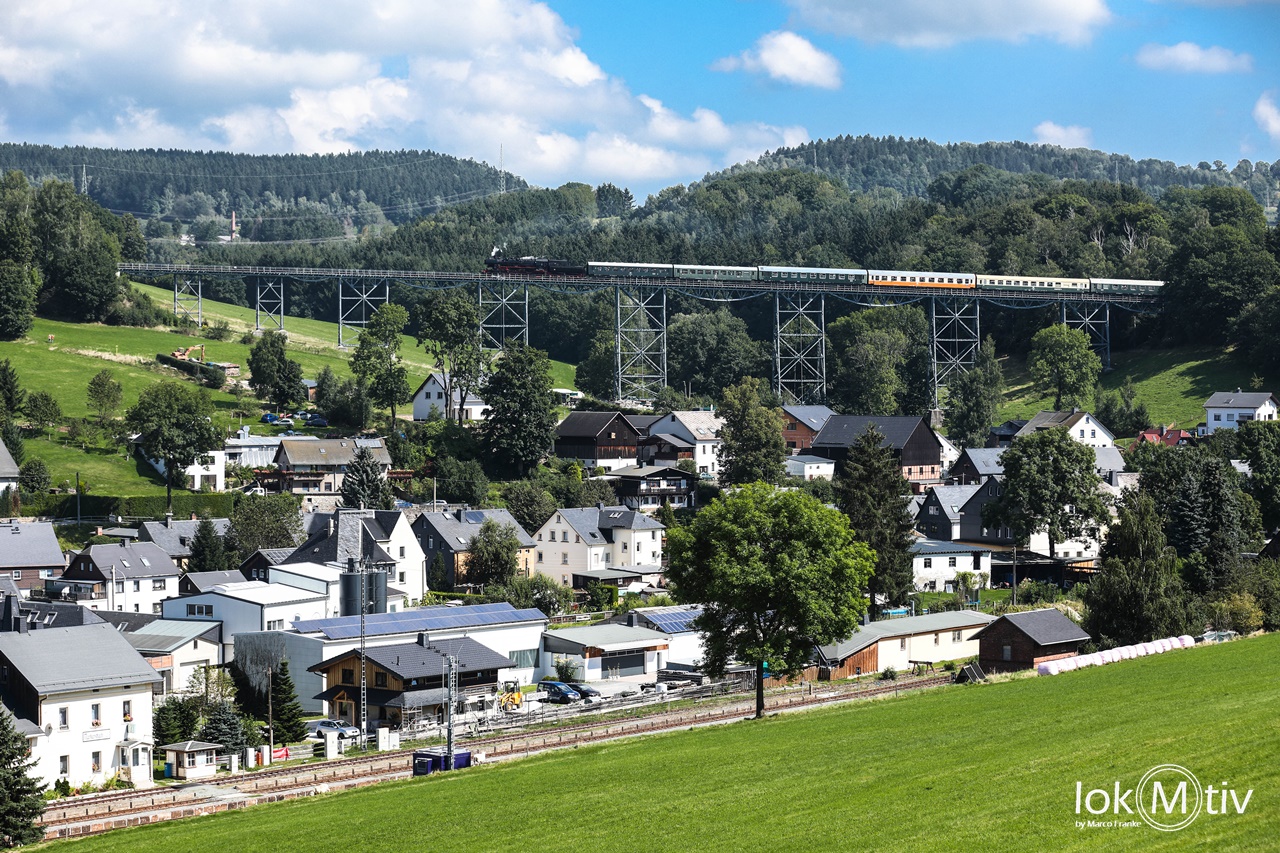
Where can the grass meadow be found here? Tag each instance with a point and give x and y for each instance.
(966, 768)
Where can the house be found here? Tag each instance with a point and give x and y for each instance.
(1229, 409)
(1109, 463)
(913, 442)
(191, 759)
(430, 395)
(515, 633)
(606, 651)
(597, 440)
(801, 424)
(647, 487)
(1025, 640)
(667, 450)
(384, 537)
(256, 451)
(175, 648)
(1002, 435)
(132, 576)
(8, 469)
(950, 452)
(448, 535)
(902, 643)
(1081, 426)
(175, 537)
(404, 682)
(700, 431)
(935, 563)
(310, 385)
(807, 467)
(207, 473)
(29, 553)
(82, 697)
(35, 614)
(685, 644)
(976, 465)
(320, 465)
(255, 566)
(248, 606)
(1169, 436)
(576, 541)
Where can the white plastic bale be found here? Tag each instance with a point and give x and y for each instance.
(1109, 656)
(1141, 650)
(1042, 669)
(1187, 641)
(1067, 665)
(1052, 667)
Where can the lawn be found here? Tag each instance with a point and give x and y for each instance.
(986, 767)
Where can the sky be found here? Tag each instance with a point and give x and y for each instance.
(643, 94)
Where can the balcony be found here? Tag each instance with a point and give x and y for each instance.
(67, 593)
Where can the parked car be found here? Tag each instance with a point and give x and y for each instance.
(588, 693)
(270, 418)
(284, 422)
(317, 421)
(318, 728)
(559, 693)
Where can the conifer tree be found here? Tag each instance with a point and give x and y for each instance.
(208, 553)
(286, 710)
(222, 726)
(364, 486)
(438, 576)
(21, 803)
(12, 397)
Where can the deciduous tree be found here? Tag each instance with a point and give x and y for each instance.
(1063, 364)
(448, 326)
(520, 427)
(752, 447)
(492, 556)
(272, 375)
(174, 424)
(974, 398)
(377, 360)
(263, 521)
(43, 410)
(104, 394)
(776, 572)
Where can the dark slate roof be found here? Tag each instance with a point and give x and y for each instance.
(585, 424)
(29, 545)
(1045, 627)
(8, 587)
(175, 537)
(59, 660)
(356, 533)
(1052, 420)
(414, 660)
(641, 423)
(922, 547)
(44, 614)
(125, 621)
(952, 498)
(134, 560)
(814, 417)
(986, 460)
(458, 526)
(1238, 399)
(594, 524)
(26, 728)
(8, 467)
(845, 430)
(1008, 429)
(204, 581)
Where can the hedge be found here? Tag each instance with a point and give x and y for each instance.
(217, 505)
(214, 376)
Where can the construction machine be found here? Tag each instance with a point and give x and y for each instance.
(185, 354)
(510, 699)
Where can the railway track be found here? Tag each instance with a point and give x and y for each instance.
(97, 813)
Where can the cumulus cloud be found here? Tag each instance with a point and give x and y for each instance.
(297, 76)
(1189, 57)
(1267, 115)
(1070, 136)
(787, 57)
(942, 23)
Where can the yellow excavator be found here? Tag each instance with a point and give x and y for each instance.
(184, 354)
(510, 699)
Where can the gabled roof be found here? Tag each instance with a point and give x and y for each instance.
(703, 426)
(132, 560)
(176, 536)
(8, 467)
(608, 637)
(329, 451)
(1045, 627)
(985, 460)
(947, 620)
(814, 417)
(806, 459)
(60, 660)
(952, 498)
(641, 472)
(471, 400)
(38, 614)
(356, 534)
(924, 547)
(1238, 399)
(845, 430)
(419, 660)
(165, 636)
(1052, 420)
(458, 526)
(596, 524)
(587, 424)
(641, 423)
(1108, 459)
(262, 593)
(29, 545)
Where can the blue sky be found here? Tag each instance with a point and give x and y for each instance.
(642, 94)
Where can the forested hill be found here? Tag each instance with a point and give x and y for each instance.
(186, 185)
(911, 165)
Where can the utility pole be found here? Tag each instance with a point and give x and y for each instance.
(451, 697)
(364, 677)
(271, 720)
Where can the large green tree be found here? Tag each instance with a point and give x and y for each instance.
(78, 257)
(21, 801)
(880, 362)
(974, 398)
(365, 485)
(711, 350)
(208, 551)
(448, 326)
(174, 423)
(1063, 364)
(751, 443)
(529, 504)
(19, 289)
(872, 492)
(1049, 485)
(43, 409)
(274, 376)
(377, 359)
(520, 427)
(287, 717)
(775, 572)
(263, 521)
(492, 556)
(104, 394)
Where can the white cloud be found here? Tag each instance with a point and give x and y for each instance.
(1189, 57)
(1070, 136)
(304, 77)
(1267, 115)
(942, 23)
(787, 57)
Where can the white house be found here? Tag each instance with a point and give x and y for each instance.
(902, 643)
(248, 606)
(177, 649)
(1228, 409)
(808, 467)
(8, 469)
(686, 646)
(430, 395)
(382, 536)
(606, 651)
(1081, 426)
(935, 563)
(82, 697)
(576, 541)
(132, 577)
(701, 429)
(208, 472)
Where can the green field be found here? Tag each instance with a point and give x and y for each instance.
(1174, 383)
(972, 768)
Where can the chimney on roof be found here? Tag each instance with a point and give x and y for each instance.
(600, 505)
(424, 639)
(1238, 391)
(9, 616)
(168, 519)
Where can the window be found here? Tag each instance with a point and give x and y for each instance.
(64, 720)
(159, 583)
(137, 586)
(902, 644)
(64, 765)
(1006, 653)
(937, 639)
(539, 537)
(624, 546)
(275, 624)
(402, 552)
(956, 636)
(379, 679)
(348, 676)
(95, 714)
(126, 711)
(933, 510)
(928, 562)
(17, 576)
(1231, 416)
(564, 558)
(524, 658)
(119, 586)
(97, 761)
(190, 758)
(1217, 416)
(951, 562)
(577, 538)
(199, 609)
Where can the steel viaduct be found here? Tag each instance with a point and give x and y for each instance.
(640, 317)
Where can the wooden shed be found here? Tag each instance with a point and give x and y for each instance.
(1024, 640)
(191, 759)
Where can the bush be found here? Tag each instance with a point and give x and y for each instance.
(214, 377)
(34, 476)
(889, 674)
(218, 330)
